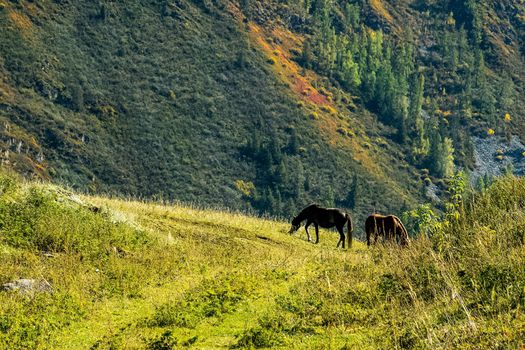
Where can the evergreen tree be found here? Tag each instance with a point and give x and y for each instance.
(480, 184)
(350, 72)
(266, 162)
(485, 99)
(280, 176)
(330, 197)
(475, 24)
(505, 96)
(307, 55)
(293, 144)
(436, 161)
(267, 201)
(275, 148)
(289, 209)
(299, 183)
(352, 196)
(448, 157)
(245, 7)
(352, 14)
(277, 206)
(77, 98)
(416, 120)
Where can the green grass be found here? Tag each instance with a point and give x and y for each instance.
(148, 276)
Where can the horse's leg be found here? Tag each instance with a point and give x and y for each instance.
(341, 236)
(316, 232)
(308, 223)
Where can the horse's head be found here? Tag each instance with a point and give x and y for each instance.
(296, 223)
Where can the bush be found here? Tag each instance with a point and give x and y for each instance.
(40, 218)
(166, 341)
(213, 298)
(257, 337)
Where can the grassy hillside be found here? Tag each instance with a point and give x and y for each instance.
(131, 275)
(162, 99)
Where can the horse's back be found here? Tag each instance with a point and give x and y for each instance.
(378, 221)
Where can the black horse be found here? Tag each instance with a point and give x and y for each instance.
(324, 217)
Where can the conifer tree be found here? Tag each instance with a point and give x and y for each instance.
(435, 152)
(293, 144)
(245, 7)
(416, 120)
(352, 196)
(330, 197)
(352, 14)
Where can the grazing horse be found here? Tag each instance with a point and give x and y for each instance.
(390, 227)
(324, 217)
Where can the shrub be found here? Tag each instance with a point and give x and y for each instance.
(166, 341)
(213, 298)
(44, 218)
(257, 337)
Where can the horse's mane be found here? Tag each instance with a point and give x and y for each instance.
(305, 211)
(308, 208)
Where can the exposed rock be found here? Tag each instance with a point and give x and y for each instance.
(28, 286)
(432, 191)
(494, 155)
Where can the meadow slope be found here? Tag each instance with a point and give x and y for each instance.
(131, 275)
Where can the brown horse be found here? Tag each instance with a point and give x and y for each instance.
(390, 227)
(324, 217)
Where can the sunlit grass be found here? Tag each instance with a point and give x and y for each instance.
(213, 279)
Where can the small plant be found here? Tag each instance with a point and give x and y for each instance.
(247, 188)
(257, 337)
(271, 60)
(166, 341)
(315, 116)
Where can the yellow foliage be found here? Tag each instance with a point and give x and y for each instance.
(507, 117)
(21, 21)
(245, 187)
(490, 131)
(108, 110)
(329, 109)
(380, 9)
(450, 20)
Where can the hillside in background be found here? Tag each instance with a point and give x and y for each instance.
(80, 272)
(262, 106)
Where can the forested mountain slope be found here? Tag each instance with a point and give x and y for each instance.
(257, 105)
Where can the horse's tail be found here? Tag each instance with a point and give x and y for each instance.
(404, 238)
(350, 230)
